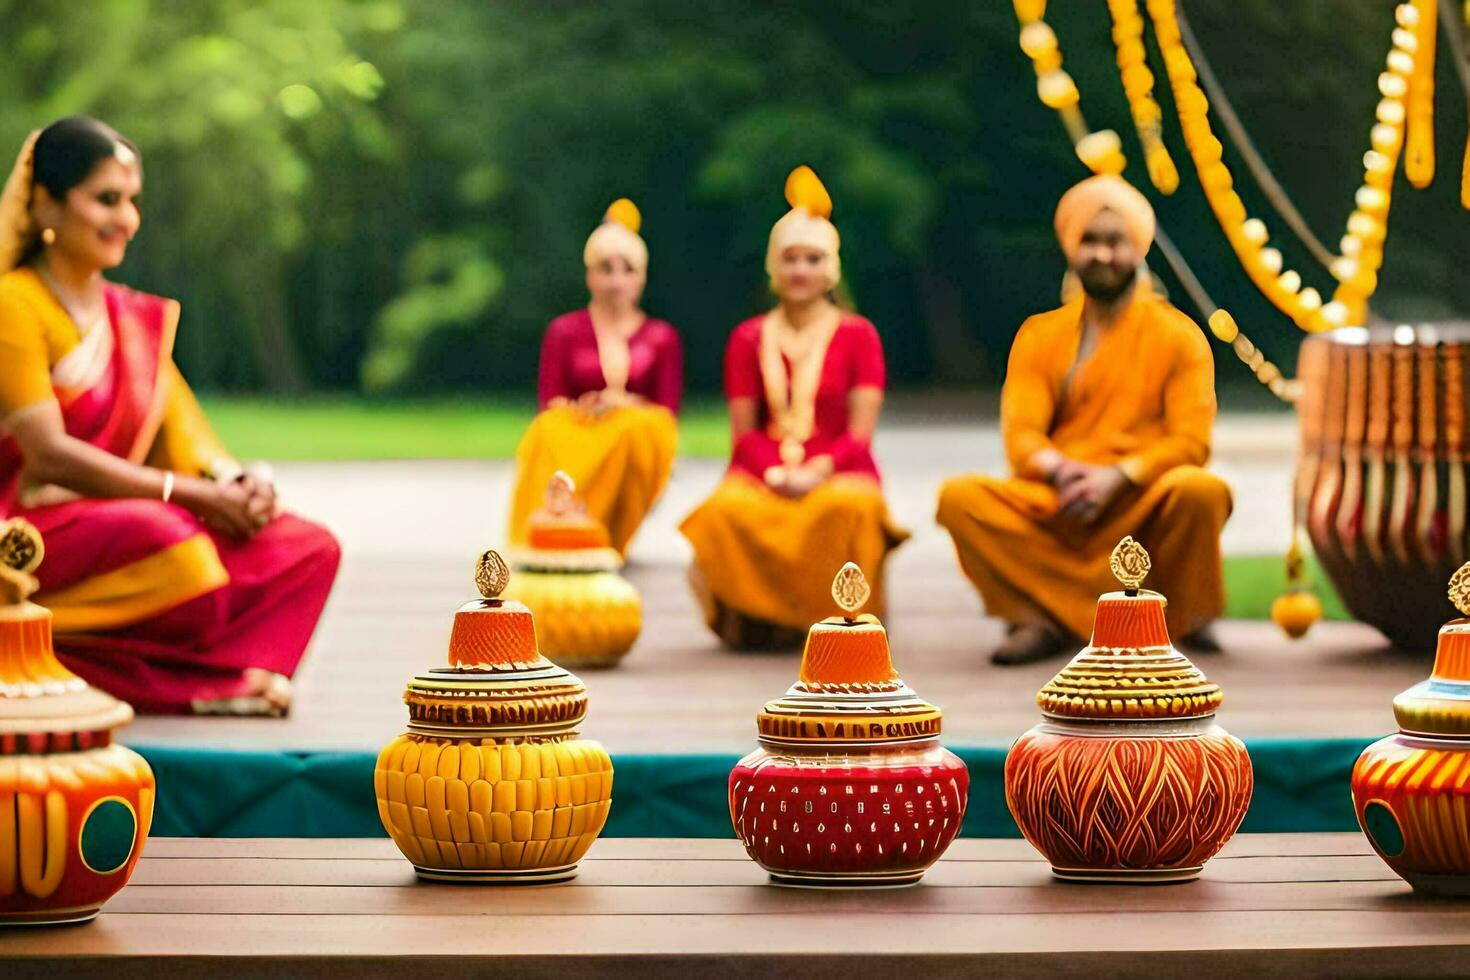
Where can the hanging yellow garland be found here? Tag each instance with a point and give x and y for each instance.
(1357, 269)
(1419, 140)
(1367, 227)
(1223, 326)
(1101, 151)
(1247, 236)
(1138, 86)
(1465, 166)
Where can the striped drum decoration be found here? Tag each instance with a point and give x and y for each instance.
(1381, 480)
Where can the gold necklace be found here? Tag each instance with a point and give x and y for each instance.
(84, 319)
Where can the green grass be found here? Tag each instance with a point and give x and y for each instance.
(1253, 581)
(349, 428)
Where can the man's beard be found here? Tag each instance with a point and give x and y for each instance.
(1106, 290)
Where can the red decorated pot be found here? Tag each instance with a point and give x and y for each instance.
(74, 807)
(1411, 791)
(850, 786)
(1128, 779)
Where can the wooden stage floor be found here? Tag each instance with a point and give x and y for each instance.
(388, 619)
(1269, 905)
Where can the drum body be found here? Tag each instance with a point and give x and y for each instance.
(1380, 483)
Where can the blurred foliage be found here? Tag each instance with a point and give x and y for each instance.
(392, 195)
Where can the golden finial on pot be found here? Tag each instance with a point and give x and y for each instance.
(491, 574)
(1130, 564)
(850, 589)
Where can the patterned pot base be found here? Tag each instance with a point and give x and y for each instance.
(1448, 886)
(528, 876)
(50, 917)
(837, 879)
(1129, 876)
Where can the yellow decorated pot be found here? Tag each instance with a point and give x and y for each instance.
(491, 783)
(74, 807)
(587, 614)
(583, 618)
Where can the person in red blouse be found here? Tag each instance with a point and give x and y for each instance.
(610, 384)
(802, 494)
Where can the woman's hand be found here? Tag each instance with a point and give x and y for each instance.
(223, 506)
(798, 481)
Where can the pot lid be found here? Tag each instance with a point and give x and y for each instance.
(38, 695)
(848, 691)
(497, 680)
(1441, 705)
(563, 537)
(1130, 671)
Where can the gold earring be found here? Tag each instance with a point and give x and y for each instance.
(48, 236)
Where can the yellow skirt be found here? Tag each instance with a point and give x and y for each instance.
(772, 558)
(621, 462)
(1024, 560)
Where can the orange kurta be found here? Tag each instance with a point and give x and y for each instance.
(1144, 400)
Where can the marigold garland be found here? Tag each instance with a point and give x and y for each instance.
(1357, 268)
(1138, 86)
(1101, 151)
(1419, 140)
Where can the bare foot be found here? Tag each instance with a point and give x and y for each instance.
(266, 694)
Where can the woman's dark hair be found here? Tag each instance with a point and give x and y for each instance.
(68, 150)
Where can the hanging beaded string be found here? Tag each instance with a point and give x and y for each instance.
(1223, 326)
(1101, 151)
(1270, 187)
(1138, 86)
(1419, 137)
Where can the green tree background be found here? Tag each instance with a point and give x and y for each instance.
(391, 195)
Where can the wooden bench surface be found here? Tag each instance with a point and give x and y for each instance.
(1276, 904)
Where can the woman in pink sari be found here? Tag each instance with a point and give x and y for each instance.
(175, 582)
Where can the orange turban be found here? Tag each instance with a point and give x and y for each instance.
(1104, 192)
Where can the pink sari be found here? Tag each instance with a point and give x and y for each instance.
(149, 603)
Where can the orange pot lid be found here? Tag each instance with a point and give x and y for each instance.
(848, 691)
(497, 680)
(1440, 706)
(39, 696)
(1130, 671)
(562, 536)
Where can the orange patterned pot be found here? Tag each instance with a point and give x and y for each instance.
(1128, 779)
(1411, 791)
(74, 807)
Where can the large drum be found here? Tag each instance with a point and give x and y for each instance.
(1381, 482)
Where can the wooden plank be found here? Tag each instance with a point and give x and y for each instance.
(1041, 897)
(718, 849)
(863, 934)
(391, 871)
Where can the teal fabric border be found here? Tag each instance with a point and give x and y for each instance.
(1301, 786)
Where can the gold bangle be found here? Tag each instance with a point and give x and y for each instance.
(168, 485)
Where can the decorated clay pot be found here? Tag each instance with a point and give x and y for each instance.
(491, 782)
(587, 614)
(1128, 779)
(1411, 791)
(850, 786)
(74, 807)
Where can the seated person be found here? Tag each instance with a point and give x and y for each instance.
(611, 381)
(1106, 416)
(802, 495)
(175, 582)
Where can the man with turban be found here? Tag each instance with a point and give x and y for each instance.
(1106, 416)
